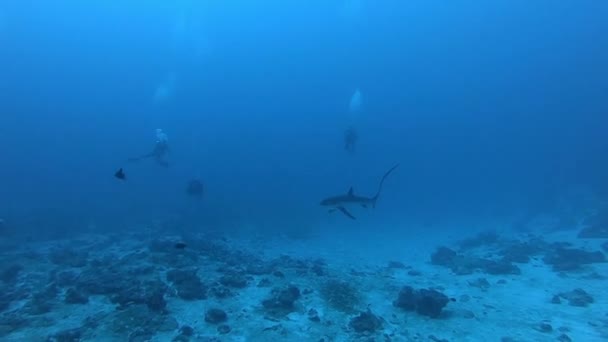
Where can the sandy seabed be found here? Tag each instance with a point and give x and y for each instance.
(144, 287)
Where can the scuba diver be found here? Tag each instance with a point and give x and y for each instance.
(350, 139)
(195, 188)
(160, 151)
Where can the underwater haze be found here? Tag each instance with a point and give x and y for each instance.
(240, 126)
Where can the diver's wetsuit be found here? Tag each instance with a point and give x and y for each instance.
(350, 139)
(159, 153)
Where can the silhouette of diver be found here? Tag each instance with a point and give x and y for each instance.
(350, 139)
(160, 151)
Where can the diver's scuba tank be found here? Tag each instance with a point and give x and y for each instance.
(161, 137)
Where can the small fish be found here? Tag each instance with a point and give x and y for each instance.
(120, 174)
(180, 245)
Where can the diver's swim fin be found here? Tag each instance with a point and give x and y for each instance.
(120, 174)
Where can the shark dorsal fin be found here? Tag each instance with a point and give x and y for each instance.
(350, 191)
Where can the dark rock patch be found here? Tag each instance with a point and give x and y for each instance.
(223, 329)
(500, 267)
(313, 316)
(8, 294)
(178, 259)
(597, 227)
(162, 246)
(68, 257)
(168, 323)
(444, 256)
(70, 335)
(577, 297)
(544, 327)
(9, 274)
(318, 270)
(102, 281)
(282, 301)
(73, 296)
(220, 292)
(42, 302)
(569, 259)
(215, 316)
(5, 302)
(186, 330)
(464, 265)
(594, 232)
(522, 252)
(480, 283)
(138, 323)
(426, 302)
(434, 338)
(468, 314)
(187, 284)
(264, 282)
(258, 268)
(149, 293)
(156, 300)
(65, 278)
(234, 280)
(482, 239)
(12, 322)
(396, 264)
(365, 322)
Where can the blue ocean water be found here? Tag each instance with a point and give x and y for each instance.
(496, 113)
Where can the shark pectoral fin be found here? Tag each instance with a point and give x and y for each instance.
(351, 192)
(345, 212)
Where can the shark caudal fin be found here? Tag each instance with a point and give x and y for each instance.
(375, 198)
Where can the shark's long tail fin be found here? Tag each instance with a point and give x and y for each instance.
(375, 198)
